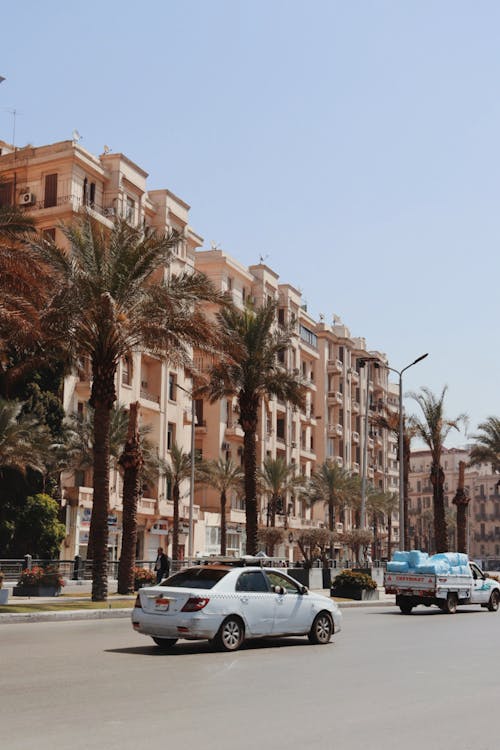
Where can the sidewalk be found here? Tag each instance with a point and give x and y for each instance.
(77, 591)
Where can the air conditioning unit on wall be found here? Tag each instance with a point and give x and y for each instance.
(26, 199)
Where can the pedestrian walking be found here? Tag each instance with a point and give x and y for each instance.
(162, 565)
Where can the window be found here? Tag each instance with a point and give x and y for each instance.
(308, 336)
(170, 435)
(49, 234)
(280, 429)
(6, 193)
(130, 210)
(126, 371)
(277, 579)
(253, 580)
(281, 316)
(172, 386)
(193, 578)
(50, 198)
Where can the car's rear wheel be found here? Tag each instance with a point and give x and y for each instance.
(231, 634)
(322, 628)
(165, 642)
(494, 601)
(450, 604)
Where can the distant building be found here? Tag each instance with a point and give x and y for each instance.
(481, 486)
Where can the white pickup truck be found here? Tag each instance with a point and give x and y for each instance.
(445, 590)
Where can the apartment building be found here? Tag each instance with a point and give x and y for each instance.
(346, 384)
(54, 183)
(482, 488)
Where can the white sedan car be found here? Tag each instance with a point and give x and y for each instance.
(227, 604)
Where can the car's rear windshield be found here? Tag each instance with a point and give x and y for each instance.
(195, 578)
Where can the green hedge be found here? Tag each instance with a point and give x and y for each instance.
(358, 580)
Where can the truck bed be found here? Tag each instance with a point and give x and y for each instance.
(424, 584)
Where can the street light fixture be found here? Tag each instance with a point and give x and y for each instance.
(402, 519)
(191, 488)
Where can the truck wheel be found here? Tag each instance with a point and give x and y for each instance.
(405, 607)
(450, 606)
(494, 601)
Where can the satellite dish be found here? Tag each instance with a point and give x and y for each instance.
(106, 149)
(76, 136)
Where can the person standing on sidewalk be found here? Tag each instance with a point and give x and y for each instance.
(162, 565)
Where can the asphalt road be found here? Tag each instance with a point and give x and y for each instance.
(387, 681)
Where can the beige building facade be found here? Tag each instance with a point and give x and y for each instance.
(346, 384)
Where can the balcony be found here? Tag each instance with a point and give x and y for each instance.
(355, 437)
(355, 407)
(201, 427)
(151, 398)
(335, 365)
(355, 467)
(233, 428)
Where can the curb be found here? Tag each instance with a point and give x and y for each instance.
(68, 615)
(117, 614)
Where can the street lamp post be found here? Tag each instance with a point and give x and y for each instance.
(191, 488)
(402, 519)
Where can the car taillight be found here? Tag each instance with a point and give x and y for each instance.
(137, 604)
(195, 603)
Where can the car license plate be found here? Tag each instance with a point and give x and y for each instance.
(162, 604)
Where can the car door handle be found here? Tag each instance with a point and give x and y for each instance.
(244, 599)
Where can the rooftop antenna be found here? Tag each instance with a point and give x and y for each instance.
(336, 319)
(76, 136)
(214, 245)
(14, 114)
(262, 258)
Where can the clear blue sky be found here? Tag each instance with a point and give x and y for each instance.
(355, 144)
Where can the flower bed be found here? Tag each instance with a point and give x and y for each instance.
(143, 577)
(351, 585)
(39, 581)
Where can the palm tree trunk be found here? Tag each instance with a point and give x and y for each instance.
(250, 465)
(175, 533)
(100, 507)
(274, 501)
(406, 487)
(223, 522)
(440, 529)
(131, 461)
(331, 514)
(389, 535)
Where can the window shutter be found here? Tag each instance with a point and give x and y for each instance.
(50, 191)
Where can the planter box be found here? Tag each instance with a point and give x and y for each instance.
(4, 596)
(36, 591)
(353, 592)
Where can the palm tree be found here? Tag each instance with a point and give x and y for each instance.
(24, 443)
(24, 284)
(433, 429)
(276, 478)
(223, 475)
(131, 461)
(176, 471)
(251, 371)
(391, 422)
(107, 302)
(333, 486)
(382, 505)
(487, 448)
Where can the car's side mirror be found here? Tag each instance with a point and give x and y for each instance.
(281, 590)
(303, 590)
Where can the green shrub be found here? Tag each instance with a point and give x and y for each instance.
(357, 580)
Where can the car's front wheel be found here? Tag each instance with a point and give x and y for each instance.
(321, 629)
(494, 601)
(165, 642)
(231, 634)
